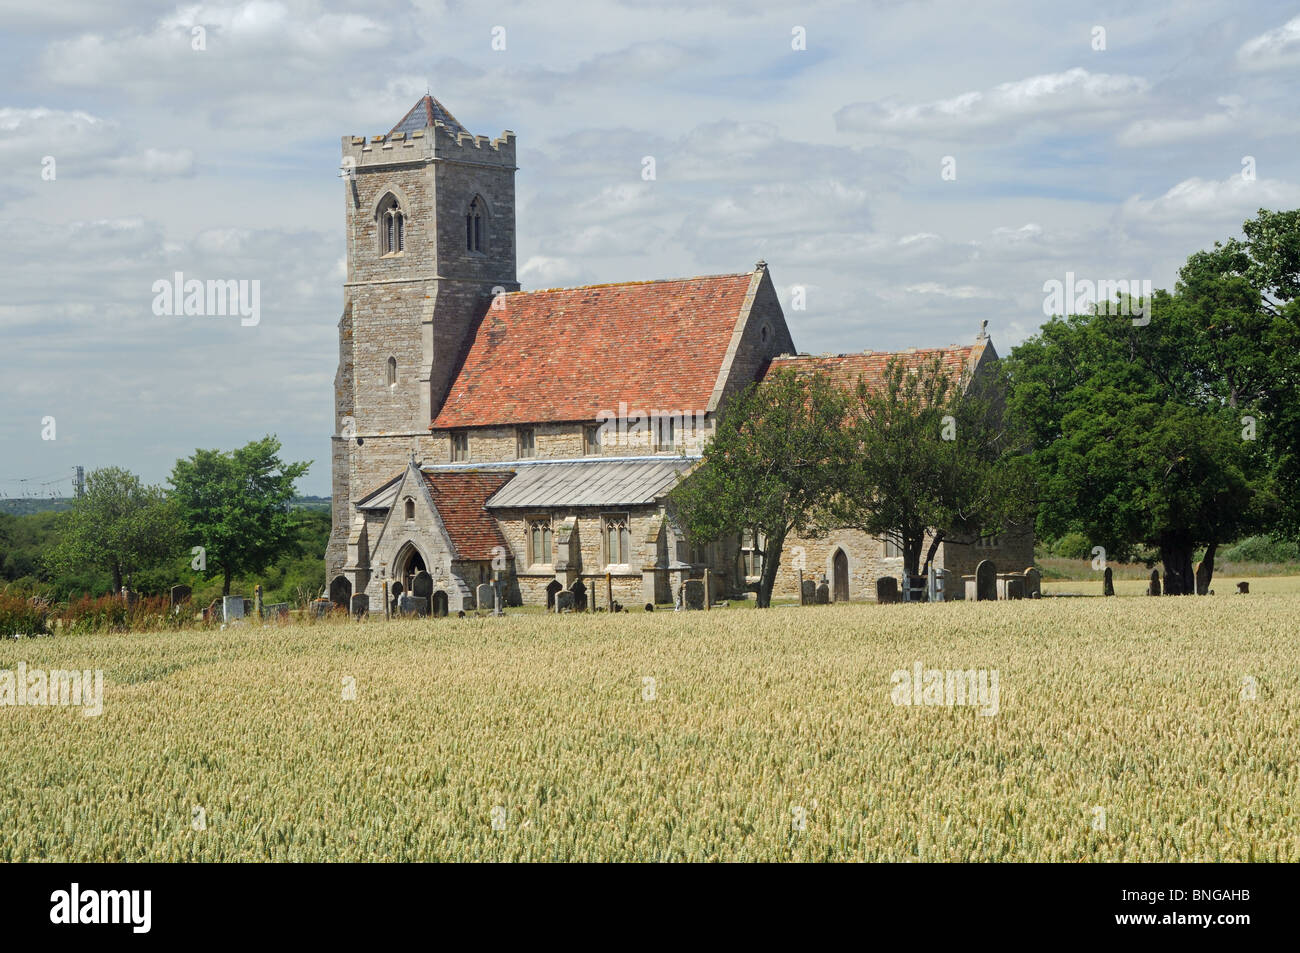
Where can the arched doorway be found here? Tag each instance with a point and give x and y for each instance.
(408, 564)
(840, 576)
(341, 591)
(551, 590)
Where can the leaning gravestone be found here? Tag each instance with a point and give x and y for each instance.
(180, 595)
(1108, 582)
(1033, 583)
(986, 581)
(808, 594)
(693, 593)
(564, 601)
(1153, 587)
(411, 605)
(886, 590)
(823, 593)
(232, 607)
(360, 607)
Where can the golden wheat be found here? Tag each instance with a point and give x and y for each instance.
(1125, 731)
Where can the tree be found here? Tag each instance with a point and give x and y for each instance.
(236, 506)
(1144, 434)
(771, 467)
(931, 453)
(118, 525)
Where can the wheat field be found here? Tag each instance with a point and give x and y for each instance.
(1125, 730)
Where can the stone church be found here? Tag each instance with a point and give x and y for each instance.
(482, 431)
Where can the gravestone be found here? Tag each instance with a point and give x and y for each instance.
(411, 605)
(1108, 582)
(1033, 583)
(321, 608)
(1202, 578)
(440, 605)
(360, 606)
(693, 593)
(483, 596)
(986, 581)
(1153, 587)
(232, 607)
(422, 586)
(276, 610)
(1243, 588)
(579, 596)
(969, 590)
(823, 592)
(886, 590)
(1013, 587)
(180, 595)
(564, 601)
(809, 594)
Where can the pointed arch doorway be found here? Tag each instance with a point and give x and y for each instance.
(840, 576)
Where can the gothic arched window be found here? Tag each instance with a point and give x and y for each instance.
(392, 371)
(392, 227)
(475, 222)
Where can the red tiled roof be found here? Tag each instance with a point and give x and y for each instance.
(459, 496)
(845, 369)
(567, 354)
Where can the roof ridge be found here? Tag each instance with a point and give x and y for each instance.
(626, 284)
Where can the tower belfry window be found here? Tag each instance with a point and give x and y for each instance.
(392, 227)
(474, 226)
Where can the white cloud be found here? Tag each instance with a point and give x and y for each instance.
(1073, 93)
(1231, 199)
(1276, 49)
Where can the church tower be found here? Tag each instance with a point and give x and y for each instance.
(430, 218)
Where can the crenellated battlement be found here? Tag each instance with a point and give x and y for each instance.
(420, 146)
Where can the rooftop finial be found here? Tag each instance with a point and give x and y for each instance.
(984, 331)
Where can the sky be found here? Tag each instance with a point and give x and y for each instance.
(907, 169)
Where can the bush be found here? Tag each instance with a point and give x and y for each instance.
(1073, 546)
(22, 616)
(1260, 549)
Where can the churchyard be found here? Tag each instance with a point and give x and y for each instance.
(1057, 729)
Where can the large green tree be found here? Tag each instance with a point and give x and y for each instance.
(1177, 433)
(236, 506)
(120, 525)
(931, 453)
(772, 466)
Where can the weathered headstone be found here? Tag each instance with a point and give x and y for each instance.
(1153, 587)
(440, 605)
(411, 605)
(180, 595)
(483, 597)
(1108, 582)
(422, 586)
(1202, 578)
(886, 590)
(360, 606)
(564, 601)
(970, 591)
(693, 593)
(579, 596)
(1013, 587)
(1033, 583)
(321, 607)
(809, 593)
(823, 596)
(276, 610)
(1243, 588)
(986, 581)
(232, 607)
